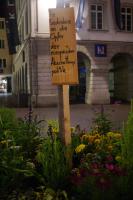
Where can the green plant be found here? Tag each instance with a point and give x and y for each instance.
(52, 161)
(127, 146)
(19, 141)
(8, 149)
(40, 193)
(27, 136)
(102, 124)
(127, 149)
(53, 123)
(75, 141)
(8, 119)
(98, 168)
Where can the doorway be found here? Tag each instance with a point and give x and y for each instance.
(77, 92)
(121, 78)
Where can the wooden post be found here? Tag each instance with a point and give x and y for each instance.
(64, 114)
(63, 105)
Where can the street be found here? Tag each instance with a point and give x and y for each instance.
(82, 114)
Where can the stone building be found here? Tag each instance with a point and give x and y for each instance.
(105, 53)
(5, 66)
(8, 42)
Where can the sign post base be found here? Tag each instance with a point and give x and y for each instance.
(64, 114)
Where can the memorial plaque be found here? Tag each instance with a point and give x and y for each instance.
(64, 69)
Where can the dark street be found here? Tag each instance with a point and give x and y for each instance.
(83, 114)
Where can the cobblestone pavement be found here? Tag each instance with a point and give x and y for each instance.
(82, 114)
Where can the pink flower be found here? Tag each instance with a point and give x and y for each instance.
(109, 166)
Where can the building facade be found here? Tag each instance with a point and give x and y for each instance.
(105, 53)
(6, 61)
(8, 42)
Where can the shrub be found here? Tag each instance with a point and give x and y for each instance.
(19, 141)
(127, 145)
(8, 119)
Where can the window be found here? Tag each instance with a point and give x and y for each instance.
(1, 66)
(1, 24)
(2, 63)
(2, 44)
(67, 4)
(23, 56)
(10, 2)
(26, 21)
(127, 15)
(97, 17)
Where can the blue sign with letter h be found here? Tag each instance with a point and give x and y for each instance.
(100, 50)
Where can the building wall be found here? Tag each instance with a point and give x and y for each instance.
(21, 72)
(109, 32)
(6, 65)
(34, 34)
(37, 56)
(4, 52)
(97, 84)
(44, 93)
(40, 21)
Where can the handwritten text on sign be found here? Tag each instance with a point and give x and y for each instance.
(63, 46)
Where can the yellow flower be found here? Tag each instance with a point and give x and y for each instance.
(55, 130)
(91, 139)
(80, 148)
(3, 142)
(84, 137)
(118, 158)
(97, 141)
(72, 129)
(114, 135)
(97, 136)
(117, 135)
(110, 134)
(110, 147)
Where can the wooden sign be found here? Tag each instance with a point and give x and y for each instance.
(63, 46)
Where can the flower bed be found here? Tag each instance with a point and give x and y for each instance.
(34, 167)
(98, 163)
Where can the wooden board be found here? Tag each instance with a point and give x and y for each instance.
(63, 46)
